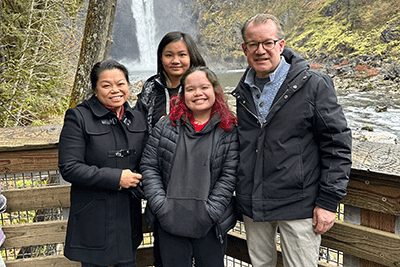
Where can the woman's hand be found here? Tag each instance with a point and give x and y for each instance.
(129, 179)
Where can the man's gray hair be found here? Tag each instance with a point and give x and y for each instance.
(261, 19)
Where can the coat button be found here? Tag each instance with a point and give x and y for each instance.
(113, 121)
(261, 104)
(286, 97)
(305, 77)
(294, 87)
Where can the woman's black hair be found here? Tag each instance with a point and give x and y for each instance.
(195, 57)
(108, 64)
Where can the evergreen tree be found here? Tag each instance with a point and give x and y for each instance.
(40, 40)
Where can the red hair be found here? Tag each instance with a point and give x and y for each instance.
(180, 110)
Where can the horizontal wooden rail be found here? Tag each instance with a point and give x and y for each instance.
(46, 197)
(33, 234)
(368, 190)
(29, 138)
(53, 260)
(374, 191)
(27, 161)
(39, 233)
(364, 242)
(144, 258)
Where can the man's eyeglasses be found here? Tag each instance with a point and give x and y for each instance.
(252, 46)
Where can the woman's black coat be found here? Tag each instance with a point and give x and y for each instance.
(104, 225)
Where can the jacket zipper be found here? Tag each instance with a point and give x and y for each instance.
(219, 233)
(250, 112)
(277, 101)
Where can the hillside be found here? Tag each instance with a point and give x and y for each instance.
(315, 28)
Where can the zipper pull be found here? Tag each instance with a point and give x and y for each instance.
(221, 239)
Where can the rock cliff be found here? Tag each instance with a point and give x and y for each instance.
(315, 28)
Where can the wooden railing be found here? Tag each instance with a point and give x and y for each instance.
(375, 240)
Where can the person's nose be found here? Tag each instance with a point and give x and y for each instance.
(197, 92)
(114, 89)
(260, 49)
(175, 60)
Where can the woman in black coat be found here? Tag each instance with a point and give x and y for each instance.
(99, 150)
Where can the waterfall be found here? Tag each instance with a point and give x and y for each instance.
(151, 19)
(143, 13)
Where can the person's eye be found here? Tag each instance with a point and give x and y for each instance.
(268, 43)
(252, 44)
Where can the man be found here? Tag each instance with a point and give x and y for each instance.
(295, 149)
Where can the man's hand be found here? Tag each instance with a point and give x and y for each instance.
(323, 220)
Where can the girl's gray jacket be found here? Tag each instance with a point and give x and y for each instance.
(157, 162)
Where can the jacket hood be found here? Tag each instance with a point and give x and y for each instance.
(160, 83)
(298, 64)
(211, 124)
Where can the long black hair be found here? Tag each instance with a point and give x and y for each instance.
(195, 57)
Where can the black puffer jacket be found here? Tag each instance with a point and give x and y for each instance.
(157, 162)
(300, 156)
(105, 223)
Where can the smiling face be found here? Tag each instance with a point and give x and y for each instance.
(112, 88)
(175, 60)
(199, 95)
(263, 61)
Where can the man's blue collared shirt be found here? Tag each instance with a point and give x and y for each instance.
(263, 98)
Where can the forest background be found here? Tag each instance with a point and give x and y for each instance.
(40, 43)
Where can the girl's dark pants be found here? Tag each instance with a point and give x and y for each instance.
(180, 251)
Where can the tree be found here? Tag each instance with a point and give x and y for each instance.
(96, 44)
(2, 59)
(39, 40)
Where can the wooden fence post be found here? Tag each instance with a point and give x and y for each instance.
(376, 220)
(351, 215)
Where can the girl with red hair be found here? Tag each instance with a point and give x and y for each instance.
(189, 170)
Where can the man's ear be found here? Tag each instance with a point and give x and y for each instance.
(281, 45)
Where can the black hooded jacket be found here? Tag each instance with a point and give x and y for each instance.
(300, 156)
(196, 215)
(105, 223)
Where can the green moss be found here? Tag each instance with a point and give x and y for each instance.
(327, 26)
